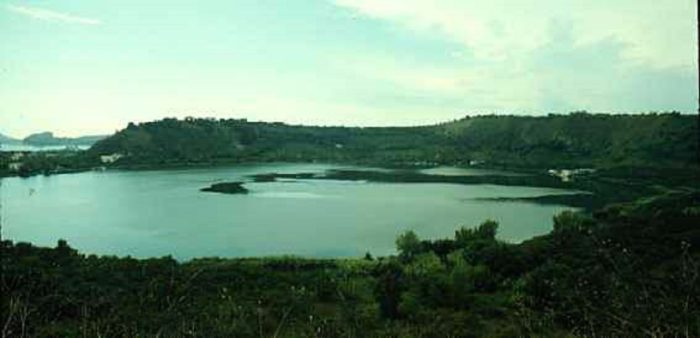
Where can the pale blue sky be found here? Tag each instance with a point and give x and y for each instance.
(89, 67)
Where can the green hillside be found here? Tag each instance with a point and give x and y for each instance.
(577, 139)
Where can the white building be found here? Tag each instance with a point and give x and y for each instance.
(110, 158)
(567, 175)
(16, 156)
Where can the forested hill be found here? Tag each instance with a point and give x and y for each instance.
(574, 140)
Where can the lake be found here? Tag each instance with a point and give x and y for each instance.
(32, 148)
(162, 212)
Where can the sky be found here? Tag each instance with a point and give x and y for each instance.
(90, 67)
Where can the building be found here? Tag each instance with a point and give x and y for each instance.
(16, 156)
(14, 166)
(567, 175)
(110, 158)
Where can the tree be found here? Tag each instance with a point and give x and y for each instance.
(408, 244)
(388, 289)
(486, 231)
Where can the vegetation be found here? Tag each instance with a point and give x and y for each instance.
(611, 143)
(48, 163)
(618, 270)
(227, 188)
(625, 270)
(555, 141)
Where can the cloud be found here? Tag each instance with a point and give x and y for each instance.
(49, 15)
(417, 78)
(546, 56)
(660, 33)
(559, 76)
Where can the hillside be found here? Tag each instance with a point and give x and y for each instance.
(4, 139)
(581, 139)
(575, 140)
(48, 139)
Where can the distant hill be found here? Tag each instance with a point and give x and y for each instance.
(574, 140)
(48, 139)
(4, 139)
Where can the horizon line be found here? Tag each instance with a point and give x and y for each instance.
(524, 115)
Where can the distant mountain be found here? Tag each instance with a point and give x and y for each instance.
(577, 140)
(4, 139)
(48, 139)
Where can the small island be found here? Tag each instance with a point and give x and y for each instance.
(227, 188)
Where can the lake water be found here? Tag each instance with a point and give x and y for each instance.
(157, 213)
(31, 148)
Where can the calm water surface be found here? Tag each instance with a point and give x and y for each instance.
(27, 147)
(156, 213)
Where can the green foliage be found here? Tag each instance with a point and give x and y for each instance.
(626, 270)
(618, 145)
(227, 188)
(408, 245)
(389, 288)
(484, 232)
(48, 162)
(575, 140)
(632, 270)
